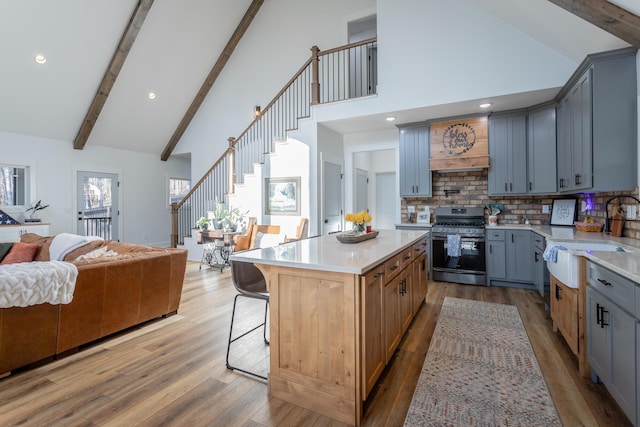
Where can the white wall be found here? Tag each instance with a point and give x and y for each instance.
(330, 149)
(275, 47)
(143, 192)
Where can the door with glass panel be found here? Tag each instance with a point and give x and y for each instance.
(98, 205)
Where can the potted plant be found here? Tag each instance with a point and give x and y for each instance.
(203, 223)
(38, 206)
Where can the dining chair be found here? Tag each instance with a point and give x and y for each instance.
(250, 283)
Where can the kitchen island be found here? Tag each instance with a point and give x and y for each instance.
(337, 314)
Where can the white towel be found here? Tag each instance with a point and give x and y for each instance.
(551, 253)
(454, 245)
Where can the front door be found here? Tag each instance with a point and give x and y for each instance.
(98, 205)
(332, 198)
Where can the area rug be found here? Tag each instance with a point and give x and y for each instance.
(480, 370)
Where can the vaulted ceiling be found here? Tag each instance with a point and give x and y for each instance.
(90, 92)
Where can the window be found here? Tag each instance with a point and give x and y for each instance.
(13, 185)
(178, 188)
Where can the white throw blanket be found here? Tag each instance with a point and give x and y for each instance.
(30, 283)
(64, 243)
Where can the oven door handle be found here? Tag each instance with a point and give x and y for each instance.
(464, 239)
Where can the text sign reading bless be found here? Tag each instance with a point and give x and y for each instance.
(459, 144)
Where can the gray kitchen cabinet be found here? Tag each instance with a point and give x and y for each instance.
(508, 153)
(496, 255)
(611, 335)
(541, 274)
(574, 137)
(415, 175)
(509, 257)
(541, 150)
(597, 125)
(520, 264)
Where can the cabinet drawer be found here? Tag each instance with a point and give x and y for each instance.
(498, 235)
(618, 289)
(539, 241)
(392, 267)
(420, 247)
(405, 258)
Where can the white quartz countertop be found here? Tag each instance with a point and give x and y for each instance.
(626, 264)
(326, 253)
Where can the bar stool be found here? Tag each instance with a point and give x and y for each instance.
(250, 283)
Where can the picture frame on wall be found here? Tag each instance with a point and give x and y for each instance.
(563, 211)
(282, 196)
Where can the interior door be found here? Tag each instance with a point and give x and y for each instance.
(98, 205)
(332, 198)
(362, 190)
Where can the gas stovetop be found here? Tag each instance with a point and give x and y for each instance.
(463, 221)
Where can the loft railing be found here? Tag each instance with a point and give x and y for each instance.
(338, 74)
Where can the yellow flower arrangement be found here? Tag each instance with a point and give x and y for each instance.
(359, 219)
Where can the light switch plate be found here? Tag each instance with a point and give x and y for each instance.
(545, 208)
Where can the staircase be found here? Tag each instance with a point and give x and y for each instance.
(346, 72)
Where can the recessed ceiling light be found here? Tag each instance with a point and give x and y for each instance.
(390, 118)
(40, 59)
(152, 95)
(485, 105)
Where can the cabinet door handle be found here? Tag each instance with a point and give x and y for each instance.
(505, 187)
(535, 257)
(561, 182)
(578, 176)
(604, 282)
(512, 241)
(511, 186)
(558, 297)
(407, 256)
(600, 311)
(424, 265)
(598, 319)
(490, 248)
(378, 275)
(530, 186)
(394, 267)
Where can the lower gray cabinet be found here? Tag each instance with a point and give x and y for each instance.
(540, 274)
(611, 337)
(509, 256)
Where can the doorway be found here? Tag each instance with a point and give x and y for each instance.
(98, 205)
(332, 198)
(362, 190)
(363, 60)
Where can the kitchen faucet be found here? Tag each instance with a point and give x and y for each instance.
(607, 229)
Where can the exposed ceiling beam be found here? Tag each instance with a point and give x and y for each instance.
(110, 76)
(237, 35)
(607, 16)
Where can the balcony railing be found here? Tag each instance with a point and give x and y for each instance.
(346, 72)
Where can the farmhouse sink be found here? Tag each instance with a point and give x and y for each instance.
(566, 269)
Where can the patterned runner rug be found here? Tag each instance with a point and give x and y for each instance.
(480, 370)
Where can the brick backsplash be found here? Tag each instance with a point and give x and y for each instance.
(471, 189)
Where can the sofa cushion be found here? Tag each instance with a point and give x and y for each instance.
(20, 252)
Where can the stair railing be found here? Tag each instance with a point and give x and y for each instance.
(337, 74)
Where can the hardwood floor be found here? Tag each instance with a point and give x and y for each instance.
(172, 371)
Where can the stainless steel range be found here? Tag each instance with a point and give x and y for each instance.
(458, 245)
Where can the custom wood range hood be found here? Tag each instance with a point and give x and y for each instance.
(459, 144)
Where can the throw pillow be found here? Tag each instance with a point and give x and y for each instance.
(4, 249)
(20, 252)
(269, 240)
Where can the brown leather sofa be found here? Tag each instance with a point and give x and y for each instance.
(111, 294)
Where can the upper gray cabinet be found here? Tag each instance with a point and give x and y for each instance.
(541, 150)
(597, 125)
(508, 154)
(415, 175)
(522, 150)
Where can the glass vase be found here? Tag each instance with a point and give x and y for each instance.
(358, 229)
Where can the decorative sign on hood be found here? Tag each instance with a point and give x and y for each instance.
(459, 144)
